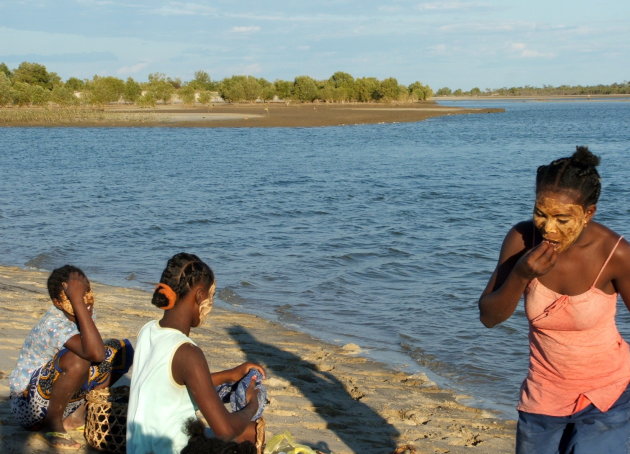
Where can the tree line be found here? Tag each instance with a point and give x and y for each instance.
(32, 84)
(546, 90)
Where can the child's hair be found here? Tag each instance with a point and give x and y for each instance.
(199, 444)
(577, 173)
(58, 277)
(183, 271)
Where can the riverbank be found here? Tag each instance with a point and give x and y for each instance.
(328, 397)
(230, 115)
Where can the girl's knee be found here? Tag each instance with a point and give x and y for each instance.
(71, 363)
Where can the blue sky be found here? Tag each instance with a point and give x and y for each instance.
(455, 44)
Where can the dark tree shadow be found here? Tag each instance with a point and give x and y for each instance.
(352, 421)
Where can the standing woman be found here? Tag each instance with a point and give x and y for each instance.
(570, 270)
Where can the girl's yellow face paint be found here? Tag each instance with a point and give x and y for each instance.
(558, 222)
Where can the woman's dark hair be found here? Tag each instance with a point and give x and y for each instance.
(58, 277)
(183, 271)
(576, 173)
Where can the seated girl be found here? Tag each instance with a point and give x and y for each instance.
(63, 358)
(171, 378)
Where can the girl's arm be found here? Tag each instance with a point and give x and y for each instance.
(620, 265)
(88, 344)
(516, 267)
(190, 368)
(236, 373)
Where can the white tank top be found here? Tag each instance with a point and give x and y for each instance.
(158, 406)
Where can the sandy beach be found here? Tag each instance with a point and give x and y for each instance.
(232, 115)
(328, 397)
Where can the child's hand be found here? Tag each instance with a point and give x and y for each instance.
(244, 368)
(76, 287)
(252, 394)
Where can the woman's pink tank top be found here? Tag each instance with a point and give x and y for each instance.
(577, 356)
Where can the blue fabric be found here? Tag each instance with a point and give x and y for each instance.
(236, 393)
(586, 432)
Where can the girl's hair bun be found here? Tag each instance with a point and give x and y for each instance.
(583, 158)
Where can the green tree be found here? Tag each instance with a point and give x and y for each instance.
(232, 89)
(389, 89)
(283, 88)
(475, 91)
(202, 81)
(305, 89)
(75, 84)
(5, 89)
(132, 90)
(267, 89)
(21, 93)
(160, 87)
(187, 94)
(103, 90)
(205, 97)
(344, 86)
(64, 96)
(419, 92)
(444, 91)
(35, 74)
(367, 89)
(5, 69)
(148, 99)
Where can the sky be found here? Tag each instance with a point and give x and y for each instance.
(451, 43)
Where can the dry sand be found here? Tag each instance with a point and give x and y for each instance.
(328, 397)
(233, 115)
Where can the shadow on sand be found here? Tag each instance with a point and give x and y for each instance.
(352, 421)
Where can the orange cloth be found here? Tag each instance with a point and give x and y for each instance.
(577, 356)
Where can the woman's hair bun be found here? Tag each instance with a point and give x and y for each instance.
(583, 158)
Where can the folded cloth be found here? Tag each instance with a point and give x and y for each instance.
(235, 393)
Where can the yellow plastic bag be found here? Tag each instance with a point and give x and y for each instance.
(283, 443)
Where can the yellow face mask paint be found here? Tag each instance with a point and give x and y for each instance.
(559, 223)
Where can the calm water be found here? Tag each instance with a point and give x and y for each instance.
(381, 235)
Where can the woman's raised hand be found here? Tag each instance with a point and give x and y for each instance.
(537, 262)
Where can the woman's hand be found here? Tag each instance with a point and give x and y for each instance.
(76, 287)
(536, 262)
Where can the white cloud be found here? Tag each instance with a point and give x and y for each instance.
(133, 69)
(252, 69)
(246, 29)
(450, 6)
(184, 9)
(521, 50)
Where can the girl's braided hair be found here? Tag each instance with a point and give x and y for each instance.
(183, 271)
(577, 173)
(58, 277)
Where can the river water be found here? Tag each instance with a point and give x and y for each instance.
(380, 235)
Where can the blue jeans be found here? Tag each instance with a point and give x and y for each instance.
(589, 431)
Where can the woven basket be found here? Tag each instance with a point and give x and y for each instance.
(106, 421)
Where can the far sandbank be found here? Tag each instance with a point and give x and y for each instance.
(266, 115)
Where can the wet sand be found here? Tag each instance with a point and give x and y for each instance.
(328, 397)
(233, 115)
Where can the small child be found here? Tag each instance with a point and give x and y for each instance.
(62, 359)
(171, 378)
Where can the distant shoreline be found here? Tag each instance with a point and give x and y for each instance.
(266, 115)
(567, 98)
